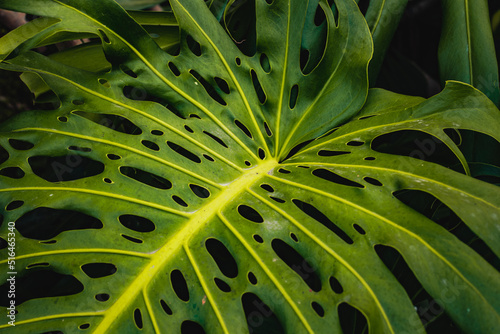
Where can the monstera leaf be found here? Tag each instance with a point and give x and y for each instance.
(214, 191)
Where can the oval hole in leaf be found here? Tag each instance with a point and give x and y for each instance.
(294, 94)
(351, 319)
(137, 223)
(151, 145)
(112, 156)
(40, 283)
(102, 297)
(294, 237)
(132, 239)
(185, 153)
(179, 201)
(113, 122)
(157, 132)
(193, 45)
(128, 71)
(297, 263)
(260, 318)
(104, 82)
(320, 217)
(267, 187)
(262, 154)
(65, 168)
(318, 309)
(165, 307)
(188, 129)
(329, 153)
(258, 238)
(355, 143)
(84, 326)
(258, 88)
(174, 69)
(14, 205)
(335, 285)
(209, 158)
(250, 213)
(359, 229)
(138, 318)
(268, 130)
(99, 269)
(217, 139)
(222, 84)
(148, 178)
(335, 178)
(45, 223)
(283, 171)
(319, 17)
(277, 199)
(208, 88)
(223, 286)
(251, 278)
(12, 172)
(199, 191)
(373, 181)
(78, 148)
(222, 257)
(243, 128)
(21, 145)
(191, 327)
(179, 285)
(264, 63)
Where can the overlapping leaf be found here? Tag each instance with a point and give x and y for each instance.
(156, 197)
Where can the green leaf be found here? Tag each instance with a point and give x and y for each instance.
(466, 49)
(158, 197)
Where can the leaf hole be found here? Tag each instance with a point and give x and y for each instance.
(284, 171)
(267, 187)
(238, 61)
(223, 286)
(294, 237)
(193, 45)
(319, 17)
(328, 175)
(21, 145)
(250, 213)
(62, 119)
(14, 205)
(359, 229)
(188, 129)
(112, 156)
(260, 318)
(199, 191)
(84, 326)
(179, 285)
(329, 153)
(276, 199)
(12, 172)
(223, 85)
(179, 201)
(258, 238)
(304, 59)
(320, 217)
(103, 36)
(157, 132)
(264, 63)
(208, 88)
(112, 122)
(147, 178)
(217, 139)
(222, 257)
(294, 94)
(355, 143)
(318, 309)
(248, 163)
(209, 158)
(243, 128)
(262, 154)
(258, 88)
(137, 223)
(369, 158)
(104, 82)
(191, 327)
(99, 269)
(373, 181)
(45, 223)
(165, 307)
(251, 278)
(351, 319)
(297, 263)
(184, 152)
(132, 239)
(335, 285)
(41, 264)
(366, 117)
(78, 148)
(151, 145)
(268, 130)
(102, 297)
(174, 69)
(138, 318)
(128, 71)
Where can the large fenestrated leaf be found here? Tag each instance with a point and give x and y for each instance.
(156, 196)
